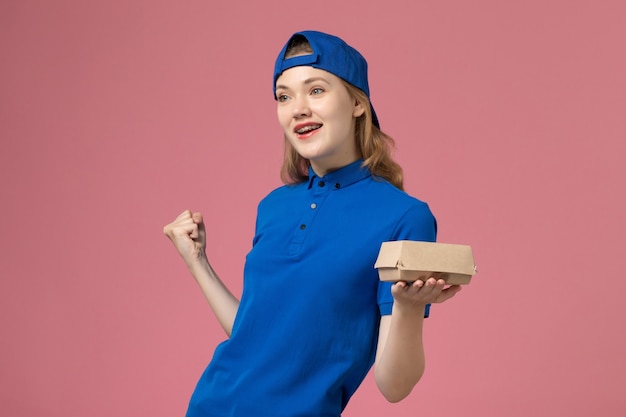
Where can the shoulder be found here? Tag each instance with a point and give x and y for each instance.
(390, 195)
(416, 223)
(414, 217)
(402, 215)
(282, 193)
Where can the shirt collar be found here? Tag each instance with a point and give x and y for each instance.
(342, 177)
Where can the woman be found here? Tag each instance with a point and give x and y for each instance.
(313, 316)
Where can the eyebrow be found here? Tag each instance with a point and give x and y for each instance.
(307, 81)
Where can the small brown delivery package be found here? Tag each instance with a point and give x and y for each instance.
(407, 260)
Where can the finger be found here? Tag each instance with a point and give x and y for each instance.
(193, 231)
(401, 285)
(182, 218)
(184, 215)
(201, 231)
(398, 288)
(418, 284)
(432, 289)
(431, 284)
(413, 287)
(448, 293)
(182, 226)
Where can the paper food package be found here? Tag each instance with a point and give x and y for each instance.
(407, 260)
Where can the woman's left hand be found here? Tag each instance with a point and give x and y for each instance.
(420, 293)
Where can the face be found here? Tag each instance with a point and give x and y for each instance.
(318, 117)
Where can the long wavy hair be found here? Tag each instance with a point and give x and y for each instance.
(374, 146)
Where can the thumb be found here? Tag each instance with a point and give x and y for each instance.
(197, 219)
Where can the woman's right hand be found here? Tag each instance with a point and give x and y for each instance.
(188, 235)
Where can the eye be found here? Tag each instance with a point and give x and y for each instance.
(282, 97)
(317, 90)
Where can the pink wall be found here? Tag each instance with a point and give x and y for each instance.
(117, 115)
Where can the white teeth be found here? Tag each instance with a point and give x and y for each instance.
(308, 128)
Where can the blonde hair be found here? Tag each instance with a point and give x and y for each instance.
(374, 146)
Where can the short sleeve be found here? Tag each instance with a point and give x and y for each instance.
(418, 223)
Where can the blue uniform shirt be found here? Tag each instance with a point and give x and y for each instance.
(306, 330)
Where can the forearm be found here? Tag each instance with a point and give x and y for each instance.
(400, 365)
(223, 303)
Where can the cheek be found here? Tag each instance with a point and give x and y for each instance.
(282, 115)
(338, 110)
(341, 118)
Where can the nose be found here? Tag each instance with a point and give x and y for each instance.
(300, 107)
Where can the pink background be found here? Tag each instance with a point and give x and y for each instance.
(115, 116)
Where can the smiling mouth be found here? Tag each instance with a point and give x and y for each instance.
(307, 128)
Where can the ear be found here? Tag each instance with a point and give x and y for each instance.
(358, 109)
